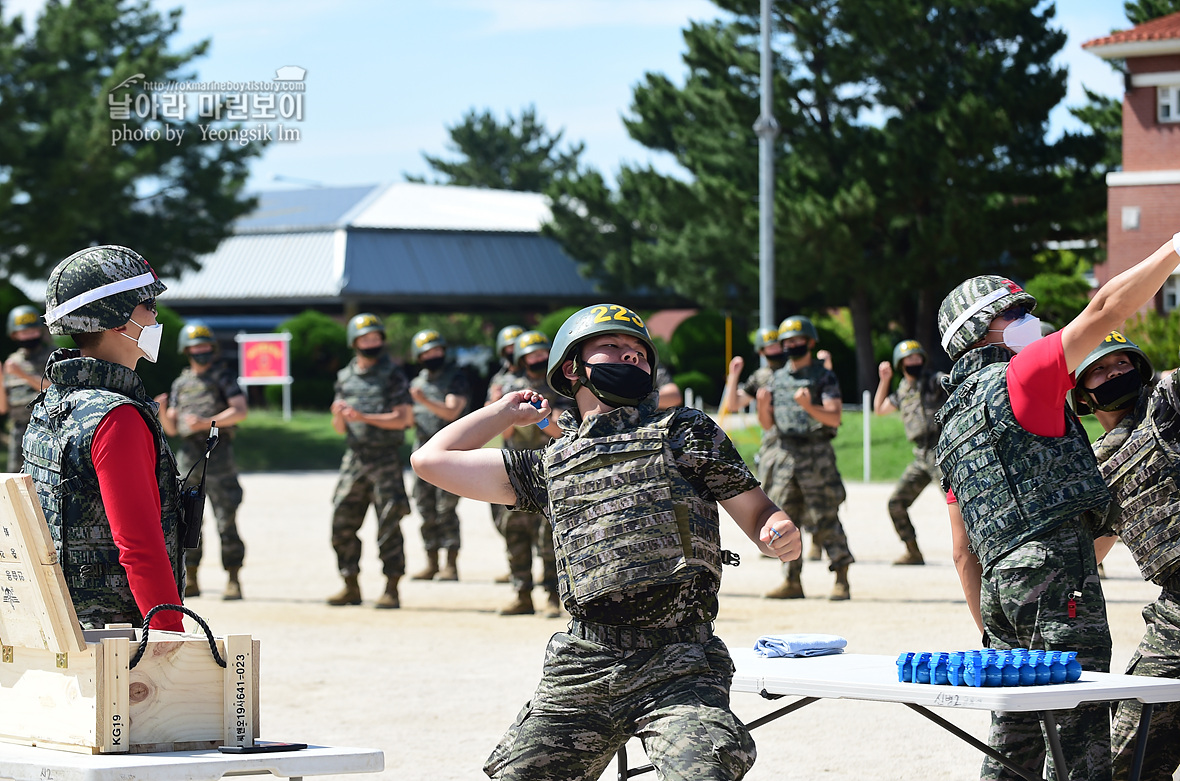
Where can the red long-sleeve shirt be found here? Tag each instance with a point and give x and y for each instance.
(125, 459)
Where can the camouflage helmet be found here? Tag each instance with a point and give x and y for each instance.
(593, 321)
(426, 339)
(195, 332)
(23, 317)
(905, 349)
(969, 309)
(507, 338)
(765, 336)
(1114, 342)
(364, 323)
(797, 325)
(528, 343)
(97, 289)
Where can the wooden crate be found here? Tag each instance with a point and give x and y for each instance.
(64, 688)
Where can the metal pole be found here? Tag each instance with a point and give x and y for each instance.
(767, 129)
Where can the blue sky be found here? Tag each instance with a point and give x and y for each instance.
(385, 78)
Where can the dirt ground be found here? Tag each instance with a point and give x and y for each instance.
(436, 683)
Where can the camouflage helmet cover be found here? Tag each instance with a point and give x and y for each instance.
(765, 336)
(969, 309)
(593, 321)
(1114, 342)
(364, 323)
(507, 338)
(528, 343)
(905, 349)
(97, 289)
(23, 317)
(797, 325)
(195, 332)
(426, 339)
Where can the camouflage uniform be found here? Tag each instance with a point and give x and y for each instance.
(440, 521)
(57, 455)
(20, 396)
(639, 658)
(758, 379)
(801, 477)
(918, 399)
(504, 378)
(1140, 459)
(371, 471)
(205, 395)
(1040, 586)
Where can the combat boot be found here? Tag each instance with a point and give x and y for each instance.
(553, 606)
(389, 600)
(840, 591)
(521, 606)
(233, 589)
(349, 595)
(505, 578)
(191, 589)
(792, 586)
(431, 567)
(450, 570)
(912, 555)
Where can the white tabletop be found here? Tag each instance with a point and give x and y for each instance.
(864, 677)
(25, 763)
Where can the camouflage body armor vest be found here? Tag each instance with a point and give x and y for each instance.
(624, 517)
(1011, 485)
(436, 386)
(368, 392)
(1142, 472)
(58, 457)
(200, 395)
(919, 401)
(789, 418)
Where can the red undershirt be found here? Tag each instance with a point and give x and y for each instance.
(124, 456)
(1037, 383)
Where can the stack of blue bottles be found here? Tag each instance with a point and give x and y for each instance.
(989, 667)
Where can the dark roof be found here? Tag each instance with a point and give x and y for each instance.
(302, 210)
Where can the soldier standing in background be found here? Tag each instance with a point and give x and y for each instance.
(739, 397)
(505, 374)
(440, 396)
(23, 372)
(919, 396)
(372, 409)
(525, 532)
(803, 404)
(205, 394)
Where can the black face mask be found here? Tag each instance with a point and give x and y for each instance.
(1119, 393)
(201, 359)
(798, 351)
(536, 369)
(912, 370)
(776, 361)
(29, 344)
(433, 364)
(371, 352)
(619, 384)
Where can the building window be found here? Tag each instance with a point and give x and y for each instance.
(1171, 293)
(1130, 218)
(1168, 103)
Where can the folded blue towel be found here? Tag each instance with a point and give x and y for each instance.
(799, 645)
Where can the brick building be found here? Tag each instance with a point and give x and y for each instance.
(1143, 199)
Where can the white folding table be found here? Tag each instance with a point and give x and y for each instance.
(25, 763)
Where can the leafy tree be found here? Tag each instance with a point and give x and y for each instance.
(67, 181)
(518, 154)
(1061, 288)
(318, 350)
(1140, 11)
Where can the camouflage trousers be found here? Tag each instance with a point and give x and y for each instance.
(524, 533)
(592, 698)
(920, 473)
(802, 479)
(440, 521)
(1158, 655)
(223, 493)
(16, 438)
(363, 481)
(1024, 601)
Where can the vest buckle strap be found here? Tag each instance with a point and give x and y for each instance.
(730, 558)
(632, 638)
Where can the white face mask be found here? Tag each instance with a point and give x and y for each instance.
(149, 340)
(1021, 333)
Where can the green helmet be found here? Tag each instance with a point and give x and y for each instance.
(904, 350)
(969, 309)
(1114, 342)
(424, 340)
(362, 324)
(97, 289)
(528, 343)
(195, 332)
(797, 325)
(23, 317)
(507, 338)
(765, 336)
(592, 321)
